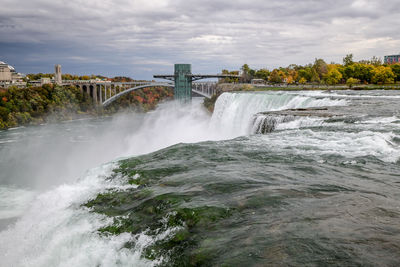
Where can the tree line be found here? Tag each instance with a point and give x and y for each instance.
(66, 76)
(371, 71)
(36, 105)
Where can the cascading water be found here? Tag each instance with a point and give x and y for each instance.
(279, 199)
(233, 112)
(267, 123)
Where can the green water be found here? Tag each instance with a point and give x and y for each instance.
(264, 200)
(236, 202)
(213, 192)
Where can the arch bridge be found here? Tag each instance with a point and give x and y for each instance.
(105, 93)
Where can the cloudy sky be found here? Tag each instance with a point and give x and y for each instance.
(139, 38)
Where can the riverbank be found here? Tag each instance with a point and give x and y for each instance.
(48, 103)
(230, 87)
(226, 87)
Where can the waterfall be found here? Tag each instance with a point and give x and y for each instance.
(262, 124)
(234, 112)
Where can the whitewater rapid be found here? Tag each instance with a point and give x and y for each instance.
(233, 112)
(53, 229)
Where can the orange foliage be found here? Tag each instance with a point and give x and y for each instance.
(139, 98)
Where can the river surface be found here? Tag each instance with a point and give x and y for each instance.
(178, 187)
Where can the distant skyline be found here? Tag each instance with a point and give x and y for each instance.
(139, 38)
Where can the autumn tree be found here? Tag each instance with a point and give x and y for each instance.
(333, 76)
(363, 72)
(292, 75)
(352, 81)
(277, 76)
(321, 68)
(396, 71)
(382, 75)
(305, 73)
(302, 81)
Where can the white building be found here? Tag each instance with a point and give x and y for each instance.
(8, 75)
(6, 72)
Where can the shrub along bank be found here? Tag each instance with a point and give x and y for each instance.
(48, 103)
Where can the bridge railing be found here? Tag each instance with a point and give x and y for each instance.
(102, 91)
(205, 88)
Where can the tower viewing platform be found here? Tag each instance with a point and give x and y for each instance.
(183, 79)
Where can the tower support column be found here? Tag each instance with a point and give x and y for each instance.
(183, 82)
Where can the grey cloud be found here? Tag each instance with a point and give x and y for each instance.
(209, 33)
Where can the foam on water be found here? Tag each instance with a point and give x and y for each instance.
(14, 201)
(57, 231)
(382, 120)
(320, 143)
(266, 123)
(301, 123)
(345, 94)
(233, 111)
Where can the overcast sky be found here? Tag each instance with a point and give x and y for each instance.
(139, 38)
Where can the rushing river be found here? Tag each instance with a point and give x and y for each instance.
(178, 187)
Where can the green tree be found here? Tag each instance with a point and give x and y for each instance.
(363, 72)
(230, 80)
(321, 68)
(277, 76)
(352, 81)
(348, 60)
(245, 68)
(4, 113)
(306, 73)
(382, 75)
(333, 76)
(314, 76)
(302, 81)
(396, 71)
(262, 74)
(247, 73)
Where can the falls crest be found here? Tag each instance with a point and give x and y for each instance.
(263, 124)
(234, 112)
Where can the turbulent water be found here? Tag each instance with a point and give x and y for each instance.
(178, 187)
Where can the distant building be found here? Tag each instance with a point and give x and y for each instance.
(8, 75)
(57, 75)
(44, 81)
(6, 72)
(258, 81)
(393, 59)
